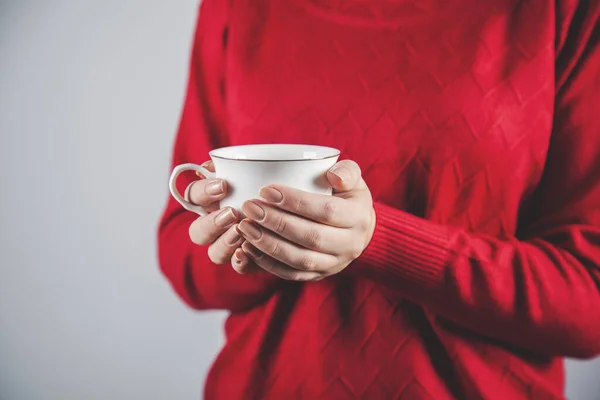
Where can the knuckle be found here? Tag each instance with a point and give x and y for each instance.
(313, 239)
(280, 225)
(329, 209)
(274, 248)
(301, 205)
(308, 264)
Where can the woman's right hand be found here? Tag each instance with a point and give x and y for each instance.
(218, 228)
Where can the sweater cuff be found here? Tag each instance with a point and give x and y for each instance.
(407, 248)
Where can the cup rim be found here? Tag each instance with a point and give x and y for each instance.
(336, 153)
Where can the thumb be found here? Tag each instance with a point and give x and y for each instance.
(345, 176)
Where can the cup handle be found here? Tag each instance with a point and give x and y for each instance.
(175, 193)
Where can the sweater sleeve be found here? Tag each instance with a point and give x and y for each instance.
(539, 291)
(197, 280)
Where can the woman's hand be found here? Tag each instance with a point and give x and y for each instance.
(218, 228)
(306, 237)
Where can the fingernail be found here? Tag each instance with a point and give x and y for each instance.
(270, 194)
(225, 217)
(340, 172)
(233, 237)
(214, 188)
(253, 210)
(237, 255)
(249, 230)
(252, 251)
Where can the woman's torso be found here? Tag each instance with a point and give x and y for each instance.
(436, 101)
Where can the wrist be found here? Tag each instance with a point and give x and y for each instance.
(407, 248)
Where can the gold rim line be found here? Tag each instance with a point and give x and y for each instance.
(259, 160)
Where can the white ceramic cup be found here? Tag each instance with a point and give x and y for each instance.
(248, 168)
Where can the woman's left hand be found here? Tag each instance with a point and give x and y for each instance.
(302, 236)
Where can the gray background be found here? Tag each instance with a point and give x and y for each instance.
(90, 96)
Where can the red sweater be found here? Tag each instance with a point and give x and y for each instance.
(476, 126)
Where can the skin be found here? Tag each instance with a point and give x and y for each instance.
(292, 234)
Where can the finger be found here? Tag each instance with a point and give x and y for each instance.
(205, 230)
(330, 210)
(277, 268)
(206, 192)
(284, 251)
(304, 232)
(209, 165)
(222, 249)
(242, 264)
(345, 176)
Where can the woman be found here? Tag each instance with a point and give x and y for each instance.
(462, 262)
